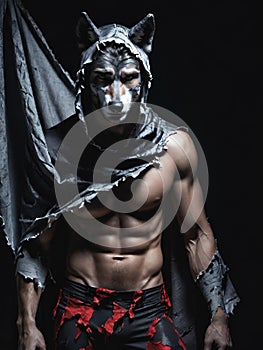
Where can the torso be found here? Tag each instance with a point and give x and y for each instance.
(124, 252)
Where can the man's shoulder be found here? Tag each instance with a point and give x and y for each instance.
(182, 150)
(180, 140)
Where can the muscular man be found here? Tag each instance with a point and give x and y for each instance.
(114, 294)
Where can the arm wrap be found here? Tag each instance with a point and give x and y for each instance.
(31, 268)
(212, 283)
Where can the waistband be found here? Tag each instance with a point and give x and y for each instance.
(85, 292)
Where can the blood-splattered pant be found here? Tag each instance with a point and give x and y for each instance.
(90, 318)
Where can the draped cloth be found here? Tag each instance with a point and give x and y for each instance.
(37, 109)
(36, 93)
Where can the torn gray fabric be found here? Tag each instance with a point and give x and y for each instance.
(212, 283)
(36, 93)
(32, 268)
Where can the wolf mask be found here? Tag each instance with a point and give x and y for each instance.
(122, 49)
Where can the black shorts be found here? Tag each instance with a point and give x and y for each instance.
(88, 318)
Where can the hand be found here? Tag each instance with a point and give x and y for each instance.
(218, 332)
(29, 337)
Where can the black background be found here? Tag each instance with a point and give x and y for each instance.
(206, 64)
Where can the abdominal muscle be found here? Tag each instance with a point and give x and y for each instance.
(131, 263)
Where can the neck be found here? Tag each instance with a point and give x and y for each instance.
(121, 129)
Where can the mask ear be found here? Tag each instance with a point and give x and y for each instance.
(86, 31)
(142, 33)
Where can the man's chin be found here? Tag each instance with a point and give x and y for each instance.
(114, 118)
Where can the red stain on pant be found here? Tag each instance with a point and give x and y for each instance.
(165, 297)
(157, 344)
(76, 307)
(119, 312)
(88, 347)
(84, 312)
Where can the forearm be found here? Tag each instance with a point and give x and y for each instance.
(201, 247)
(30, 277)
(28, 293)
(207, 267)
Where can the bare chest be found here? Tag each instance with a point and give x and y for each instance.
(135, 195)
(131, 214)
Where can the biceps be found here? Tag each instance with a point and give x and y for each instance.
(198, 235)
(189, 200)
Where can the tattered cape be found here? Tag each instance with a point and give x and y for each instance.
(37, 106)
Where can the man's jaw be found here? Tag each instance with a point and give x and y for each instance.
(117, 122)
